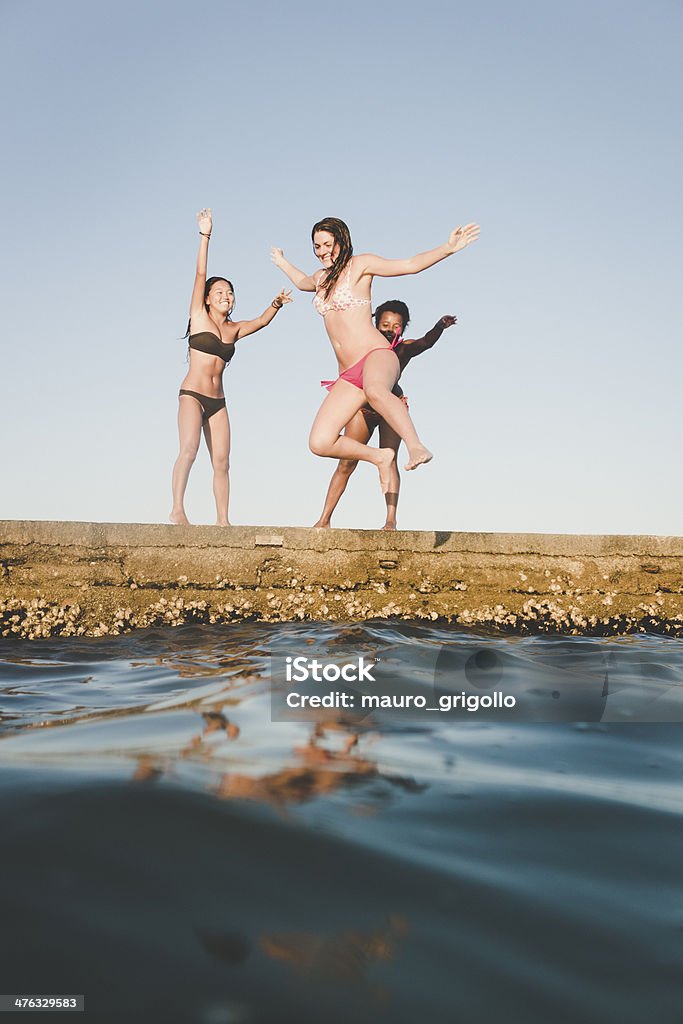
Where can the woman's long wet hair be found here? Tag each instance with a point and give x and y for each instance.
(342, 236)
(210, 282)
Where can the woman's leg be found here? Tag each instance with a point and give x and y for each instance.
(358, 430)
(388, 438)
(217, 435)
(380, 373)
(190, 415)
(340, 406)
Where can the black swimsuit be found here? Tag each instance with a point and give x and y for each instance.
(207, 341)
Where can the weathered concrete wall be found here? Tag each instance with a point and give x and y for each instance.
(102, 578)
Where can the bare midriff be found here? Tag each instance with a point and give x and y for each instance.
(353, 335)
(205, 375)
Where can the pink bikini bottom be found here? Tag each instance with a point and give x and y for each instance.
(354, 374)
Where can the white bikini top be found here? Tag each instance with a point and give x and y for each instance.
(340, 299)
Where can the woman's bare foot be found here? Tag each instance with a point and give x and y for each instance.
(223, 522)
(389, 525)
(179, 519)
(322, 524)
(385, 457)
(417, 456)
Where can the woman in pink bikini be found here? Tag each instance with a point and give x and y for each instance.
(369, 367)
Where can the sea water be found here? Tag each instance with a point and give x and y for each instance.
(178, 846)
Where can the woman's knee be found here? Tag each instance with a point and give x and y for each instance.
(319, 443)
(188, 452)
(346, 466)
(376, 394)
(220, 463)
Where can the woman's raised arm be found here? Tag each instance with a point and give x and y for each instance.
(304, 282)
(457, 240)
(246, 327)
(205, 225)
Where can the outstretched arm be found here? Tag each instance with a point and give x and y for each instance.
(457, 240)
(304, 282)
(205, 224)
(418, 345)
(245, 327)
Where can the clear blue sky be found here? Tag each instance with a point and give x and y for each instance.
(553, 406)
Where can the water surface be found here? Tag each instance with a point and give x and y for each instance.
(176, 855)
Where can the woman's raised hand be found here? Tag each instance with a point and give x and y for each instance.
(277, 256)
(461, 237)
(205, 222)
(284, 297)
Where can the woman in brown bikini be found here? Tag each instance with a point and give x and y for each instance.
(212, 338)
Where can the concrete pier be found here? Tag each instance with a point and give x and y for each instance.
(98, 579)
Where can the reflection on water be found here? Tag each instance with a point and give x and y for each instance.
(317, 771)
(176, 855)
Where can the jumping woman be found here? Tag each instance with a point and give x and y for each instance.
(369, 367)
(212, 337)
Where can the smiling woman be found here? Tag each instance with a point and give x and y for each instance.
(368, 366)
(212, 337)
